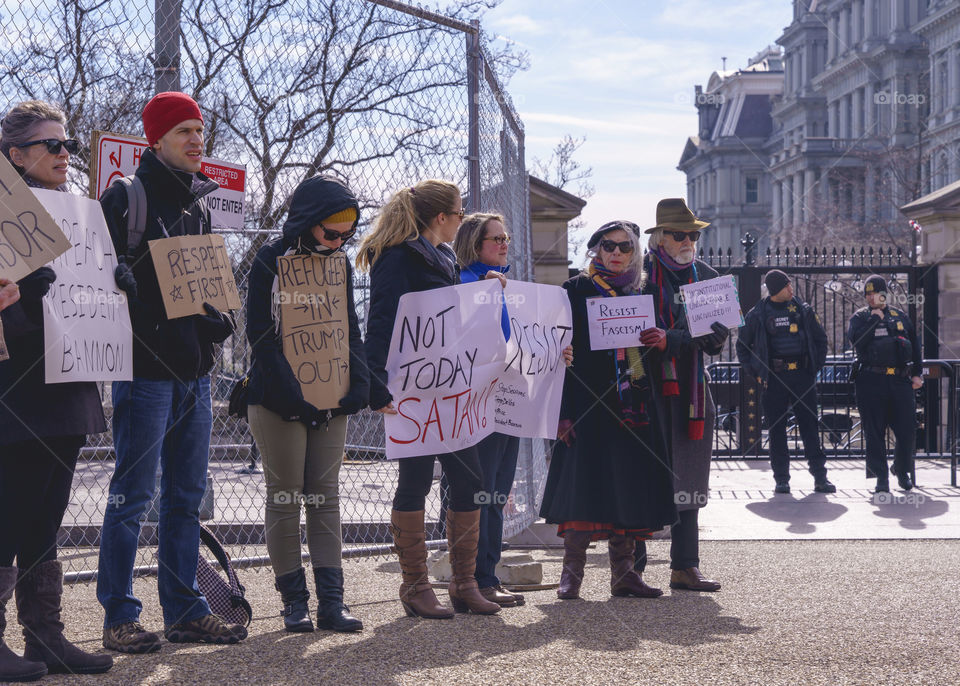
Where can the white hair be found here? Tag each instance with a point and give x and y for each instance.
(636, 258)
(656, 238)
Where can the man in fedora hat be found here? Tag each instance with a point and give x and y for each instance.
(680, 381)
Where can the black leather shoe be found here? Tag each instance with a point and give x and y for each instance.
(882, 487)
(331, 612)
(906, 483)
(782, 487)
(824, 486)
(294, 593)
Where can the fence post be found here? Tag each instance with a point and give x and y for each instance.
(751, 411)
(166, 61)
(473, 108)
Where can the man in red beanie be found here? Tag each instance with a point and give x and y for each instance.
(163, 417)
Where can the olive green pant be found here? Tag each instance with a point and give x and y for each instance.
(300, 466)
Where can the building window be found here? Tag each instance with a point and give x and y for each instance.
(752, 190)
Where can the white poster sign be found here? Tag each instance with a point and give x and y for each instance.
(617, 322)
(713, 300)
(87, 332)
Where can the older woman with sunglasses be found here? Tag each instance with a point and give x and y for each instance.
(42, 429)
(610, 473)
(302, 446)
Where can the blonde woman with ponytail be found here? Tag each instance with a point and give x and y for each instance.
(406, 252)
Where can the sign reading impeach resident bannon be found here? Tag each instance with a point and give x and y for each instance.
(193, 270)
(86, 323)
(445, 354)
(617, 322)
(312, 290)
(713, 300)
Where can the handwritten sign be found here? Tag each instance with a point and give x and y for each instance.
(445, 354)
(86, 322)
(530, 386)
(193, 270)
(313, 322)
(713, 300)
(29, 238)
(617, 322)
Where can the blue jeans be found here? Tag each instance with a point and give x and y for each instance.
(498, 461)
(166, 423)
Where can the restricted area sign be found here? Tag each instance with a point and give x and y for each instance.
(116, 155)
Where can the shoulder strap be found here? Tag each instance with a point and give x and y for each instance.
(136, 211)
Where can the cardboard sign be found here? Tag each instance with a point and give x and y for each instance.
(117, 155)
(312, 290)
(86, 321)
(713, 300)
(193, 270)
(617, 322)
(29, 238)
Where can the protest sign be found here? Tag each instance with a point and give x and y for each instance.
(617, 322)
(445, 354)
(528, 393)
(86, 323)
(193, 270)
(29, 238)
(312, 290)
(713, 300)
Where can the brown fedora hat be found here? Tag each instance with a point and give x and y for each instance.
(674, 215)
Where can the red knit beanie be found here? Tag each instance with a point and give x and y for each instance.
(166, 110)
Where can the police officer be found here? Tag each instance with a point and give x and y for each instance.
(889, 368)
(783, 345)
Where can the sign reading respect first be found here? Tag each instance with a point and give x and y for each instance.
(193, 270)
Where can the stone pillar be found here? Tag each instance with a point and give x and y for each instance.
(832, 123)
(842, 23)
(857, 96)
(869, 122)
(898, 15)
(870, 195)
(844, 128)
(797, 184)
(776, 221)
(811, 210)
(869, 11)
(831, 38)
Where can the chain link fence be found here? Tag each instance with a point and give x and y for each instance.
(376, 92)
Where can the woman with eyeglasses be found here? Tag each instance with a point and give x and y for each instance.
(406, 251)
(301, 445)
(610, 473)
(42, 429)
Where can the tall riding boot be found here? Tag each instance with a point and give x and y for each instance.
(463, 533)
(331, 612)
(624, 581)
(38, 607)
(575, 544)
(295, 597)
(12, 666)
(410, 542)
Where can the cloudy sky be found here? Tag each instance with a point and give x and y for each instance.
(621, 73)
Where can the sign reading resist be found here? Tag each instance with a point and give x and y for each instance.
(713, 300)
(193, 270)
(617, 322)
(313, 321)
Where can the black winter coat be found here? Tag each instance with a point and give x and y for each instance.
(272, 381)
(753, 343)
(162, 348)
(405, 268)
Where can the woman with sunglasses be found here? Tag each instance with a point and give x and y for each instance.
(610, 475)
(42, 429)
(406, 252)
(302, 446)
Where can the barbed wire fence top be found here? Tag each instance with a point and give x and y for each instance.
(377, 93)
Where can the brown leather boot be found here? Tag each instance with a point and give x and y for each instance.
(624, 581)
(13, 668)
(463, 533)
(691, 579)
(575, 545)
(410, 542)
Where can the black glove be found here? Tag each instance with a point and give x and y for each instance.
(36, 284)
(716, 339)
(352, 402)
(215, 325)
(123, 275)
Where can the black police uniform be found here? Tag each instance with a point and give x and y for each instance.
(784, 346)
(888, 355)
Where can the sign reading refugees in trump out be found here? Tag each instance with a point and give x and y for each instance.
(617, 322)
(193, 270)
(713, 300)
(312, 291)
(86, 321)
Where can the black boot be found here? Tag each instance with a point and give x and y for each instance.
(331, 612)
(295, 596)
(12, 666)
(38, 608)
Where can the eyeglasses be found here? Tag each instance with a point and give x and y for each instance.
(54, 145)
(609, 246)
(502, 239)
(679, 236)
(331, 235)
(459, 213)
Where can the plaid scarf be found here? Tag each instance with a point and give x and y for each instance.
(661, 268)
(631, 377)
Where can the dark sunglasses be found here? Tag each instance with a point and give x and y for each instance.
(54, 144)
(678, 236)
(499, 240)
(331, 235)
(610, 246)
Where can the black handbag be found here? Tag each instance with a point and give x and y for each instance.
(238, 398)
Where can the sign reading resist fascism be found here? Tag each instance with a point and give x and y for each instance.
(312, 290)
(713, 300)
(193, 270)
(86, 322)
(617, 322)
